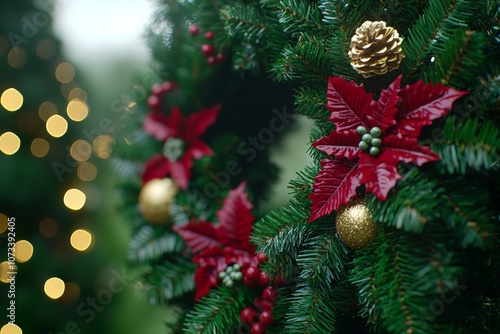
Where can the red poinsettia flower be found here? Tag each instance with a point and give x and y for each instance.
(372, 137)
(182, 143)
(222, 244)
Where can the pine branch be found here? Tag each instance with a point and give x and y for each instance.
(149, 244)
(297, 16)
(218, 312)
(171, 279)
(473, 145)
(312, 311)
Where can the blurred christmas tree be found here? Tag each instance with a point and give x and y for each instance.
(394, 228)
(50, 157)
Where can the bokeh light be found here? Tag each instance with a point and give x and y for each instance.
(74, 199)
(102, 146)
(65, 73)
(46, 49)
(5, 269)
(39, 147)
(56, 126)
(80, 150)
(11, 329)
(17, 57)
(81, 240)
(77, 110)
(24, 251)
(4, 221)
(9, 143)
(48, 227)
(87, 171)
(78, 93)
(54, 287)
(46, 110)
(11, 99)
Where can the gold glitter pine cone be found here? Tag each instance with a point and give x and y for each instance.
(155, 200)
(375, 49)
(355, 225)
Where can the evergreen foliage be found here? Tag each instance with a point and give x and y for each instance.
(433, 266)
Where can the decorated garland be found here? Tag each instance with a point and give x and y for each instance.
(400, 193)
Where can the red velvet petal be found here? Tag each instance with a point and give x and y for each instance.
(348, 103)
(157, 167)
(421, 103)
(199, 149)
(181, 171)
(198, 235)
(155, 124)
(340, 145)
(378, 176)
(396, 148)
(205, 279)
(235, 218)
(334, 185)
(201, 120)
(385, 109)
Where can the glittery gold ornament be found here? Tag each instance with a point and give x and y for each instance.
(156, 199)
(375, 49)
(355, 225)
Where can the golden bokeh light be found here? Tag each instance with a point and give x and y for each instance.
(67, 88)
(80, 150)
(65, 73)
(78, 93)
(54, 287)
(102, 146)
(87, 171)
(74, 199)
(39, 147)
(81, 240)
(4, 221)
(17, 57)
(46, 110)
(56, 126)
(12, 99)
(77, 110)
(24, 251)
(11, 329)
(9, 143)
(48, 227)
(5, 270)
(46, 49)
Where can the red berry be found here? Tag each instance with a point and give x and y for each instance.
(261, 257)
(266, 317)
(258, 328)
(209, 35)
(154, 102)
(156, 89)
(280, 280)
(207, 50)
(264, 279)
(269, 293)
(221, 57)
(248, 315)
(167, 86)
(194, 30)
(252, 273)
(257, 302)
(248, 282)
(267, 304)
(211, 61)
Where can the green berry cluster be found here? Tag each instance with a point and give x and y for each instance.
(231, 274)
(370, 141)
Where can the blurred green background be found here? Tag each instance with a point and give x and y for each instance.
(68, 72)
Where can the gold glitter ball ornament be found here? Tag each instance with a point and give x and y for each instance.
(375, 49)
(156, 199)
(355, 225)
